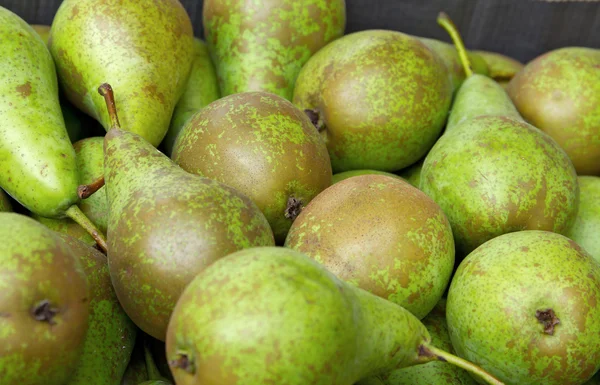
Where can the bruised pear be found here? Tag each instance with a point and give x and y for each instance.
(382, 235)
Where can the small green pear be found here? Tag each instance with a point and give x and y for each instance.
(586, 229)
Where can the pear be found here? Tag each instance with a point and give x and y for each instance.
(379, 98)
(262, 45)
(412, 174)
(136, 371)
(502, 68)
(524, 307)
(492, 174)
(261, 145)
(111, 334)
(382, 235)
(143, 48)
(36, 157)
(42, 30)
(273, 315)
(66, 226)
(166, 225)
(44, 306)
(587, 224)
(349, 174)
(5, 205)
(202, 89)
(559, 93)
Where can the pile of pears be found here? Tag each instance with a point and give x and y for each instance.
(284, 203)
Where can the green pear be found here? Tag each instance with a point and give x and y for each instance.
(559, 93)
(379, 98)
(5, 205)
(262, 45)
(432, 373)
(494, 174)
(90, 162)
(44, 306)
(285, 164)
(111, 334)
(36, 157)
(42, 30)
(586, 229)
(166, 225)
(273, 315)
(412, 174)
(143, 48)
(202, 89)
(66, 226)
(381, 234)
(502, 68)
(523, 306)
(349, 174)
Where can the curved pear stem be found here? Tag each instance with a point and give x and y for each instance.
(86, 190)
(444, 20)
(109, 97)
(436, 354)
(79, 217)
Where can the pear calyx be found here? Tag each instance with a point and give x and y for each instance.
(293, 208)
(183, 362)
(548, 318)
(43, 311)
(315, 119)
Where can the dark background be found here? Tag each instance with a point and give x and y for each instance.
(522, 29)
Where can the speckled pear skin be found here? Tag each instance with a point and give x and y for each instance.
(383, 97)
(431, 373)
(202, 88)
(36, 157)
(90, 163)
(5, 205)
(412, 174)
(144, 49)
(66, 226)
(349, 174)
(559, 93)
(382, 235)
(166, 225)
(492, 304)
(480, 95)
(38, 266)
(272, 315)
(261, 45)
(111, 334)
(502, 68)
(493, 175)
(586, 229)
(261, 145)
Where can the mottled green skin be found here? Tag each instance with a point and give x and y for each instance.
(492, 304)
(90, 163)
(37, 265)
(559, 93)
(480, 95)
(493, 175)
(383, 97)
(449, 56)
(36, 156)
(586, 230)
(413, 174)
(5, 205)
(432, 373)
(143, 50)
(66, 226)
(111, 334)
(382, 235)
(166, 225)
(261, 145)
(272, 315)
(349, 174)
(261, 45)
(202, 89)
(501, 67)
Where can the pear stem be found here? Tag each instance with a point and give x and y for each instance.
(109, 97)
(79, 217)
(86, 190)
(444, 20)
(441, 355)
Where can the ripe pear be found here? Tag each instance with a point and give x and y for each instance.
(44, 306)
(143, 48)
(524, 307)
(382, 235)
(166, 225)
(202, 88)
(111, 334)
(502, 68)
(273, 315)
(349, 174)
(5, 205)
(493, 173)
(36, 156)
(379, 98)
(586, 229)
(559, 93)
(262, 45)
(261, 145)
(412, 174)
